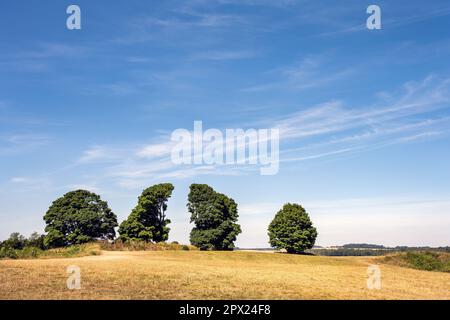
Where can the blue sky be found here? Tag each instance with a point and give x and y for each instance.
(364, 115)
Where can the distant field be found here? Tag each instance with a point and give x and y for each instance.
(216, 275)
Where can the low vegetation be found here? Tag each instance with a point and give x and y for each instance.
(144, 246)
(426, 260)
(34, 252)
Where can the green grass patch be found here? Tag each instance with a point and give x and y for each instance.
(423, 260)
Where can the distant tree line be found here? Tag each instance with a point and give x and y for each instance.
(81, 216)
(363, 246)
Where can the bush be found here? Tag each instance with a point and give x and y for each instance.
(6, 252)
(143, 246)
(88, 249)
(422, 260)
(29, 252)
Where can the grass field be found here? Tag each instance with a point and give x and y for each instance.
(215, 275)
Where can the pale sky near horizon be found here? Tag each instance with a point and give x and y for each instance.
(364, 115)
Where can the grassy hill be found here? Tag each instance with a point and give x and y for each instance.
(216, 275)
(422, 260)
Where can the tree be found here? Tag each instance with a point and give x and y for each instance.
(215, 216)
(292, 229)
(78, 217)
(15, 241)
(148, 221)
(36, 240)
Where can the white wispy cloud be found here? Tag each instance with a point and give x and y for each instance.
(12, 144)
(156, 150)
(26, 184)
(400, 118)
(52, 50)
(305, 74)
(101, 154)
(343, 23)
(40, 56)
(404, 116)
(202, 20)
(263, 3)
(224, 55)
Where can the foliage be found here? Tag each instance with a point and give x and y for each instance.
(15, 241)
(137, 245)
(422, 260)
(78, 217)
(215, 217)
(79, 250)
(17, 246)
(148, 221)
(36, 240)
(34, 252)
(292, 229)
(7, 252)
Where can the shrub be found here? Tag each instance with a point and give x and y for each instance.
(29, 252)
(422, 260)
(142, 246)
(6, 252)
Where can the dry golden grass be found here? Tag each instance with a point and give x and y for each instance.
(215, 275)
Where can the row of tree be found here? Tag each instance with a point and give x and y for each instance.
(81, 216)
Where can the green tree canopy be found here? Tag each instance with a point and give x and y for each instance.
(36, 240)
(148, 221)
(292, 229)
(15, 241)
(215, 216)
(78, 217)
